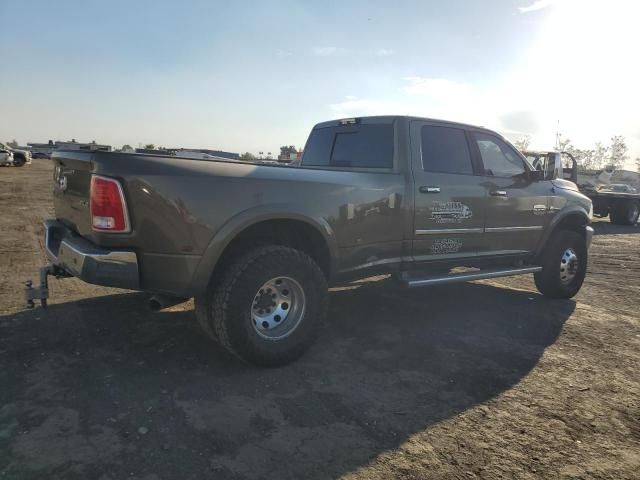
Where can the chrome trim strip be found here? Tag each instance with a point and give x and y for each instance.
(448, 231)
(465, 277)
(514, 229)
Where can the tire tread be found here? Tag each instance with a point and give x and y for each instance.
(213, 309)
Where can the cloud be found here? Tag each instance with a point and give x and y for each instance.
(437, 88)
(537, 5)
(283, 54)
(420, 96)
(328, 51)
(384, 52)
(357, 107)
(522, 122)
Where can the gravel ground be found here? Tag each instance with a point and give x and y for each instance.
(481, 380)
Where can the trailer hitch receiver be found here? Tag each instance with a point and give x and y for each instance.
(41, 292)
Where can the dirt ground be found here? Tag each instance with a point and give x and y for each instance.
(483, 380)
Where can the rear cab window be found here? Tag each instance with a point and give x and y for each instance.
(354, 146)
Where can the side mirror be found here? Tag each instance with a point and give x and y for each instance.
(537, 175)
(554, 168)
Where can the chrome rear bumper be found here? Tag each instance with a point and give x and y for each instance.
(92, 264)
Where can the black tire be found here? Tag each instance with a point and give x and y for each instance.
(550, 280)
(19, 161)
(225, 311)
(625, 213)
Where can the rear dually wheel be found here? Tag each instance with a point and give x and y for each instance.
(267, 307)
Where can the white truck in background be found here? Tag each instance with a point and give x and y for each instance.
(619, 201)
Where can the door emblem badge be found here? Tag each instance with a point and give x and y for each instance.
(60, 179)
(539, 209)
(445, 245)
(62, 183)
(450, 212)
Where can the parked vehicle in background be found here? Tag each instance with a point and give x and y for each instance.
(21, 157)
(620, 202)
(257, 245)
(40, 155)
(6, 155)
(13, 156)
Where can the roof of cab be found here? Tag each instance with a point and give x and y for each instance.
(391, 118)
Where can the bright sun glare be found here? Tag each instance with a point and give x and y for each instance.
(583, 71)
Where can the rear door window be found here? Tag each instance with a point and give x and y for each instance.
(360, 146)
(445, 150)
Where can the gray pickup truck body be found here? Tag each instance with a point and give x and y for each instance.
(186, 215)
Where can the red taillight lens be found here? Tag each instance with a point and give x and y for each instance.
(108, 206)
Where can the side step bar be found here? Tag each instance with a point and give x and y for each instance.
(412, 282)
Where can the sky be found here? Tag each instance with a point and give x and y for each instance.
(254, 75)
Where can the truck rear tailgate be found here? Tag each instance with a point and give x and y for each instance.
(71, 189)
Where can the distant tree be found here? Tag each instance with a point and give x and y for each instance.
(149, 146)
(638, 164)
(127, 148)
(600, 155)
(586, 159)
(247, 157)
(618, 151)
(13, 143)
(564, 145)
(523, 143)
(286, 151)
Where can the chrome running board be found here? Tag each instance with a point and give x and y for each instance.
(426, 281)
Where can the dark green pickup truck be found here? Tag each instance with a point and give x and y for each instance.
(258, 245)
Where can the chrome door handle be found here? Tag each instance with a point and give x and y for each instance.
(425, 189)
(499, 193)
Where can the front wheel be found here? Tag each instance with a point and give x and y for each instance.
(268, 306)
(564, 265)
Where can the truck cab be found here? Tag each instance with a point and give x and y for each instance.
(467, 197)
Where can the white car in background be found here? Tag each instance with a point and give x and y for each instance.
(14, 157)
(6, 155)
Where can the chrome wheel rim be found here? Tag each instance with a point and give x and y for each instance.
(568, 266)
(277, 308)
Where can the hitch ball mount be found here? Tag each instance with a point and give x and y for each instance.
(41, 292)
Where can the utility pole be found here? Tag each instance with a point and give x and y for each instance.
(558, 135)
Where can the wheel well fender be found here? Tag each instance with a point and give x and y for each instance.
(574, 218)
(267, 224)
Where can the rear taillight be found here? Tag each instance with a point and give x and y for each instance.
(108, 206)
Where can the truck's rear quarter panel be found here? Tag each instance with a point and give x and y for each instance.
(177, 206)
